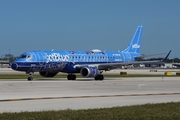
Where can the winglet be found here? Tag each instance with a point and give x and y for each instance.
(167, 56)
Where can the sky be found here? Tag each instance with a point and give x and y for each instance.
(88, 24)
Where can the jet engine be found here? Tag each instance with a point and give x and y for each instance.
(48, 74)
(89, 71)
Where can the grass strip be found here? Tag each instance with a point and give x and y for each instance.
(161, 111)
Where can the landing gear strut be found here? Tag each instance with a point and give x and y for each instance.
(71, 77)
(99, 77)
(30, 78)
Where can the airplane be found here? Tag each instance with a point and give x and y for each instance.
(88, 63)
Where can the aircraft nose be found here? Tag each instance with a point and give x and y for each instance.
(14, 66)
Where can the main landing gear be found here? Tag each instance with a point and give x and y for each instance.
(71, 77)
(30, 78)
(99, 77)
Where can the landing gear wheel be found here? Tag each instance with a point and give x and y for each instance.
(30, 78)
(96, 78)
(99, 77)
(71, 77)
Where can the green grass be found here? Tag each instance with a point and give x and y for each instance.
(163, 111)
(21, 76)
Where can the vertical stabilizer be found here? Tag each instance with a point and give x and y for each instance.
(134, 46)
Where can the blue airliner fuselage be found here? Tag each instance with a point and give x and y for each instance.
(64, 61)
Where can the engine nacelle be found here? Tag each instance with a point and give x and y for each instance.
(47, 74)
(89, 71)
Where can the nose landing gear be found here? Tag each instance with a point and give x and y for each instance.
(30, 78)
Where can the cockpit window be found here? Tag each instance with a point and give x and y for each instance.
(24, 56)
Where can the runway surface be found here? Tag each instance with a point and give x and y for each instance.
(59, 94)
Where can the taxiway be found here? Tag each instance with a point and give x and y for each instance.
(59, 94)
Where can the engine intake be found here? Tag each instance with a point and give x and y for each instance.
(89, 71)
(47, 74)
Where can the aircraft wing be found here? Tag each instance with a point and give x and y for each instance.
(109, 66)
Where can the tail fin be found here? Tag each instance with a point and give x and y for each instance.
(134, 46)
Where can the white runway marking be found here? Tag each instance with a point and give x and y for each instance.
(139, 86)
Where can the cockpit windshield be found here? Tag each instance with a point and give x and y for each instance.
(24, 56)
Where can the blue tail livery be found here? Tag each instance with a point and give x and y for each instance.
(134, 46)
(88, 63)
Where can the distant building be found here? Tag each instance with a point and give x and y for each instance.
(4, 63)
